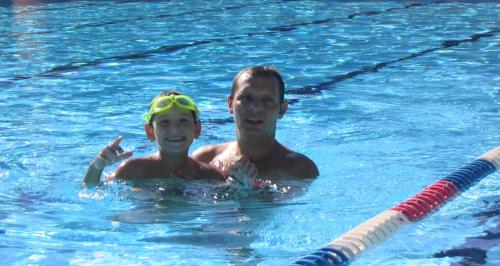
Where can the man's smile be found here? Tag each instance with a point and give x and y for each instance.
(254, 121)
(176, 139)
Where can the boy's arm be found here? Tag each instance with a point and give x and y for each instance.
(93, 175)
(110, 154)
(210, 172)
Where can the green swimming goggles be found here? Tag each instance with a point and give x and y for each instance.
(164, 104)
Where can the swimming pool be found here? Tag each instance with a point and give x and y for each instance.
(387, 97)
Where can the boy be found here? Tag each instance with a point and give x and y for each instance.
(257, 102)
(172, 121)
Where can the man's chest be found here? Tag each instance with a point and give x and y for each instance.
(268, 168)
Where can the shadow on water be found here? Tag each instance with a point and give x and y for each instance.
(208, 216)
(474, 249)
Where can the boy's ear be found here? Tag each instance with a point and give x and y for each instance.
(197, 129)
(230, 103)
(283, 108)
(150, 133)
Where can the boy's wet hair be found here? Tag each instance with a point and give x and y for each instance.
(265, 71)
(168, 93)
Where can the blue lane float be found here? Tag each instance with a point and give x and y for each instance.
(346, 248)
(467, 176)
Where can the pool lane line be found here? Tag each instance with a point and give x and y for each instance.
(305, 90)
(135, 19)
(349, 246)
(372, 13)
(173, 48)
(331, 81)
(291, 27)
(58, 70)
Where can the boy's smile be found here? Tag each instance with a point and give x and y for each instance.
(175, 131)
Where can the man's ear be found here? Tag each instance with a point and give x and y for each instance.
(197, 129)
(150, 132)
(230, 103)
(283, 108)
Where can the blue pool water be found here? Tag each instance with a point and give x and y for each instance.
(386, 97)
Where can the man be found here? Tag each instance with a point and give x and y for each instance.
(257, 102)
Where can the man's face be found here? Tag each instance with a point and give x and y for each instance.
(256, 105)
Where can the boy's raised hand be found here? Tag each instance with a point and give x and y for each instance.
(111, 154)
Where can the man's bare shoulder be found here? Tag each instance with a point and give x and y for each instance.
(207, 153)
(299, 165)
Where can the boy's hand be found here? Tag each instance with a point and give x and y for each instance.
(111, 154)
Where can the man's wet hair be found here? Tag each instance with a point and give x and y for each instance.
(262, 71)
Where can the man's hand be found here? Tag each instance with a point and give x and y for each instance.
(244, 171)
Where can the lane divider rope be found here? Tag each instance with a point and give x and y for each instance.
(346, 248)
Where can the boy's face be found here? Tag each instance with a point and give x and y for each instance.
(256, 105)
(174, 131)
